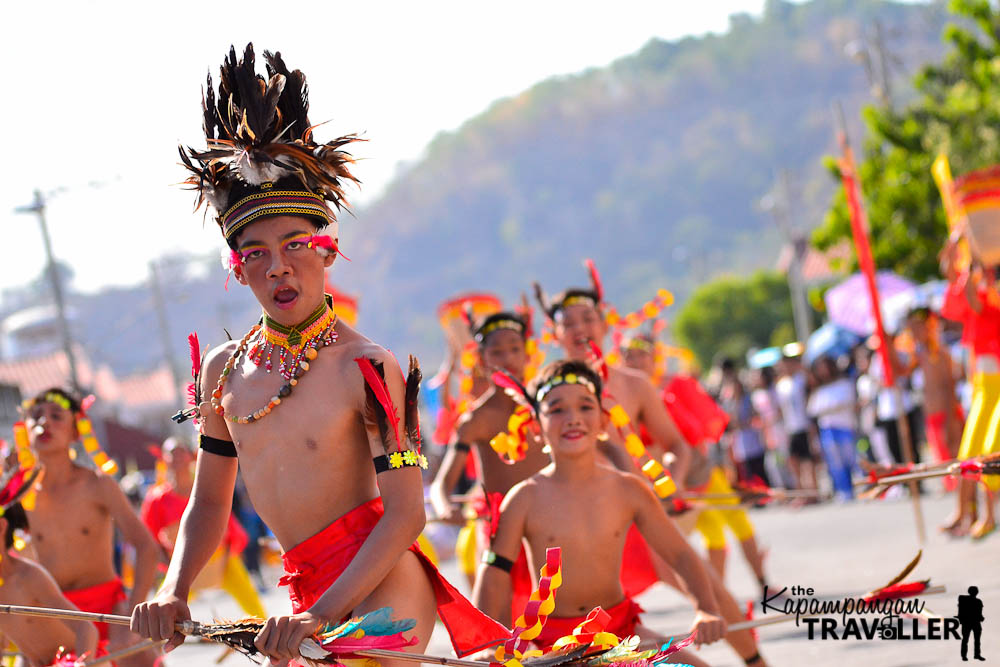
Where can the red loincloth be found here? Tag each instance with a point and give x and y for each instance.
(312, 566)
(638, 572)
(624, 618)
(99, 599)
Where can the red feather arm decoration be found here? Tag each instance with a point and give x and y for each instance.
(385, 411)
(513, 388)
(194, 388)
(595, 279)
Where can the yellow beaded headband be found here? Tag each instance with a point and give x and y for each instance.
(49, 397)
(640, 344)
(496, 325)
(568, 378)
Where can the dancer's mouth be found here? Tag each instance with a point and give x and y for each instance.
(285, 297)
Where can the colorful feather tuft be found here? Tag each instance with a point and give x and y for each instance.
(411, 410)
(379, 400)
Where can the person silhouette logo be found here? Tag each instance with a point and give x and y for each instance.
(970, 615)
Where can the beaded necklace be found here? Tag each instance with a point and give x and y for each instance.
(291, 343)
(297, 347)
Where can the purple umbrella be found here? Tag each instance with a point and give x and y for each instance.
(848, 304)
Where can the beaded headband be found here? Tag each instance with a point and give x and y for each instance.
(496, 325)
(568, 378)
(269, 202)
(577, 300)
(49, 397)
(640, 344)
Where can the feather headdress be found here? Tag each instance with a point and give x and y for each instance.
(261, 158)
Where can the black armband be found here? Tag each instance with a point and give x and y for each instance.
(462, 446)
(497, 561)
(752, 659)
(399, 460)
(217, 446)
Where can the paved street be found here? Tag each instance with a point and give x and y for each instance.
(839, 550)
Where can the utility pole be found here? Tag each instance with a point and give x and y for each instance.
(163, 324)
(777, 202)
(38, 208)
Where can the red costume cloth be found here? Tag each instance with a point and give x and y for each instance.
(981, 331)
(163, 507)
(697, 416)
(99, 599)
(312, 566)
(638, 572)
(624, 619)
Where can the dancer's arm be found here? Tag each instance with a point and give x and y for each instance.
(493, 588)
(202, 525)
(447, 478)
(663, 537)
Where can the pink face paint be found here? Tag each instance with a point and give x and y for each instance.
(246, 251)
(304, 238)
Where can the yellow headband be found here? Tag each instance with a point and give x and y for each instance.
(569, 378)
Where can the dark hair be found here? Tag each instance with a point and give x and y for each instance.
(727, 364)
(16, 518)
(483, 330)
(552, 306)
(565, 367)
(42, 397)
(767, 375)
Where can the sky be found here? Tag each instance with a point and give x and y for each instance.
(99, 94)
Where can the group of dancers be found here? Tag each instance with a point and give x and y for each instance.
(322, 423)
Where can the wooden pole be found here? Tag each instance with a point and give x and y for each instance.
(195, 628)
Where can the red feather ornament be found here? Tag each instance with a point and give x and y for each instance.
(376, 383)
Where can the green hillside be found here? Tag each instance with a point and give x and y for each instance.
(652, 166)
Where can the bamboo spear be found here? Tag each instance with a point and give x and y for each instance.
(195, 628)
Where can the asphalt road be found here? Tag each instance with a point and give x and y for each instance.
(839, 550)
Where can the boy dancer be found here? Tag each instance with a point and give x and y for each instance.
(501, 339)
(328, 461)
(586, 509)
(23, 582)
(72, 523)
(578, 321)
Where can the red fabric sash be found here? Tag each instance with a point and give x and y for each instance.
(99, 599)
(624, 618)
(638, 572)
(312, 566)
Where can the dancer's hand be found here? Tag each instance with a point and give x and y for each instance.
(281, 636)
(710, 628)
(157, 619)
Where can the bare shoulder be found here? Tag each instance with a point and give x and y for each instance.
(631, 377)
(352, 345)
(473, 422)
(106, 486)
(30, 574)
(629, 485)
(522, 495)
(216, 358)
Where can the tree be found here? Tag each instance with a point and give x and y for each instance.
(731, 315)
(956, 111)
